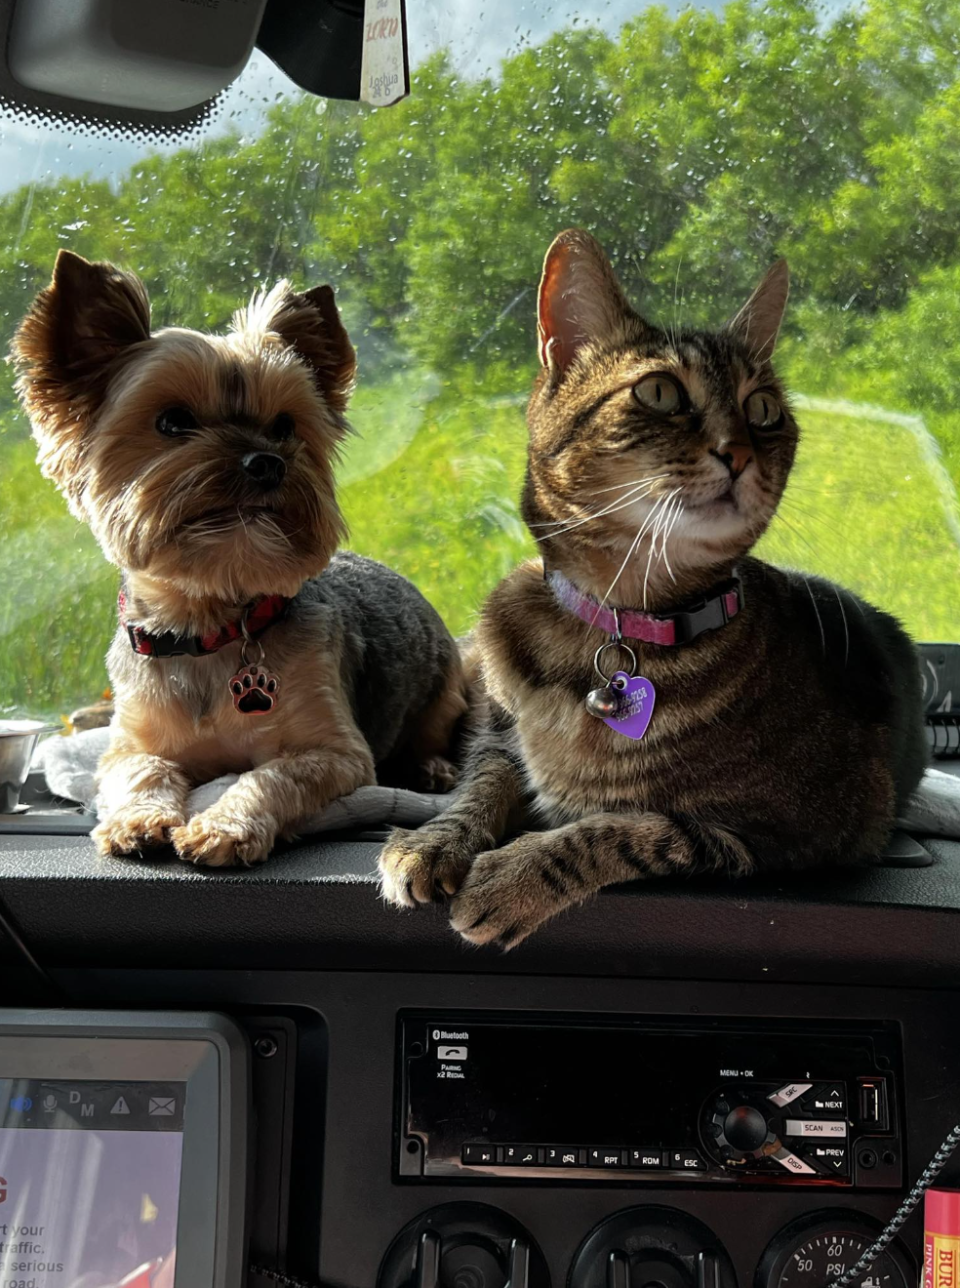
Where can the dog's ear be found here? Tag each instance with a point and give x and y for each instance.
(310, 323)
(69, 346)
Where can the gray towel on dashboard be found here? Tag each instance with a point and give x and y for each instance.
(69, 764)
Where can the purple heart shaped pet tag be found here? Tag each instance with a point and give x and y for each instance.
(636, 696)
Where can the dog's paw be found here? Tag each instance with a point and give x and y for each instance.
(135, 828)
(213, 842)
(423, 866)
(254, 691)
(506, 894)
(436, 775)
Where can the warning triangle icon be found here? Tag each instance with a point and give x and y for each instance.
(121, 1107)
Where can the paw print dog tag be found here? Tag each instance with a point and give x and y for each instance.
(254, 690)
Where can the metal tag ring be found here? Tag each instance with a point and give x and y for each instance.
(625, 648)
(248, 642)
(245, 648)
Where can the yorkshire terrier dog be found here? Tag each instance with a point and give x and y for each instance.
(204, 466)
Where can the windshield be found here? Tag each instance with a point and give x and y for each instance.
(697, 144)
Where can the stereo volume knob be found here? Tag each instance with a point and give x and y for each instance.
(738, 1130)
(745, 1129)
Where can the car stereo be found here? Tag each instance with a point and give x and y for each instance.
(123, 1149)
(514, 1097)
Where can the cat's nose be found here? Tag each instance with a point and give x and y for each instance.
(735, 456)
(265, 469)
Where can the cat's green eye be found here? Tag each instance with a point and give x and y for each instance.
(763, 410)
(659, 393)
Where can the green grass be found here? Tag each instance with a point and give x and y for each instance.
(57, 594)
(429, 485)
(445, 511)
(864, 508)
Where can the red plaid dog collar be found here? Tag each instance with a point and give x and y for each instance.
(261, 614)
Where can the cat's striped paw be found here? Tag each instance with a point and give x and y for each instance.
(509, 892)
(423, 866)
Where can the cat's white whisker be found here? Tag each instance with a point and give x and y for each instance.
(677, 505)
(667, 516)
(646, 575)
(644, 486)
(610, 589)
(846, 628)
(652, 478)
(668, 508)
(823, 637)
(676, 517)
(621, 503)
(782, 518)
(564, 525)
(658, 528)
(580, 522)
(652, 516)
(658, 511)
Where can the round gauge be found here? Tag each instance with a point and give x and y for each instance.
(815, 1251)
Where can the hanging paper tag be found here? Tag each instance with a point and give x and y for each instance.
(635, 707)
(383, 67)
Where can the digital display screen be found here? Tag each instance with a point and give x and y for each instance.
(89, 1183)
(579, 1085)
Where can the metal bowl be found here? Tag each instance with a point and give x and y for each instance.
(18, 742)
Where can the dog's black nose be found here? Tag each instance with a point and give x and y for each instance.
(265, 468)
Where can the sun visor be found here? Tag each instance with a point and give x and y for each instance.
(157, 68)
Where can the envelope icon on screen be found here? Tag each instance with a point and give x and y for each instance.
(162, 1106)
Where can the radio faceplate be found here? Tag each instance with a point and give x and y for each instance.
(570, 1098)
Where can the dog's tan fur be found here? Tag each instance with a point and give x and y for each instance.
(196, 548)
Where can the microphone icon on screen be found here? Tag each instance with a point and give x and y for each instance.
(49, 1103)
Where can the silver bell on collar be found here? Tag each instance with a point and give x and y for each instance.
(602, 702)
(605, 701)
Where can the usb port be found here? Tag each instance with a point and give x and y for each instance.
(873, 1104)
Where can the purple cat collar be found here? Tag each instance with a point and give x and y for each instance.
(707, 614)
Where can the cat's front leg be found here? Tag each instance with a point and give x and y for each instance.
(429, 863)
(509, 892)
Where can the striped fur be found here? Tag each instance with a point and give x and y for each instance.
(787, 738)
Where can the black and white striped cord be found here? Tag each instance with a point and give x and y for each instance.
(896, 1222)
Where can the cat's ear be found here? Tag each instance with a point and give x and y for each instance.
(757, 325)
(580, 299)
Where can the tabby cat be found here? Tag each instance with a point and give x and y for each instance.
(786, 725)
